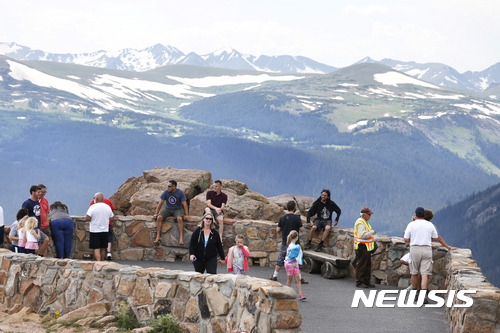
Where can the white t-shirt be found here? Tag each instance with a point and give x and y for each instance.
(99, 213)
(2, 222)
(407, 258)
(420, 232)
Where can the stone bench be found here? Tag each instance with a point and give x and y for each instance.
(329, 266)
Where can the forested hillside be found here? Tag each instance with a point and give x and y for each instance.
(474, 223)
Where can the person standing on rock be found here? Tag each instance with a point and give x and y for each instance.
(419, 234)
(98, 215)
(364, 245)
(287, 222)
(204, 246)
(323, 208)
(216, 202)
(175, 205)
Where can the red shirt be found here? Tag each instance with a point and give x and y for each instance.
(216, 200)
(44, 210)
(107, 202)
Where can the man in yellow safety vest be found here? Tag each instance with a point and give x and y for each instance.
(364, 243)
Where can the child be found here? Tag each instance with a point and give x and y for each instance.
(292, 261)
(21, 243)
(237, 256)
(32, 234)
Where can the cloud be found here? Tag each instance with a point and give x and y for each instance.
(365, 10)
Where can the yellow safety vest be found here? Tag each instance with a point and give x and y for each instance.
(369, 241)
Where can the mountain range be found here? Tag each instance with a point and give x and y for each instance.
(373, 135)
(160, 55)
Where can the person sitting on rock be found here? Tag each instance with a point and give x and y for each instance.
(175, 205)
(216, 202)
(323, 208)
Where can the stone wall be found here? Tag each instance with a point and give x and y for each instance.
(464, 274)
(202, 302)
(134, 237)
(451, 270)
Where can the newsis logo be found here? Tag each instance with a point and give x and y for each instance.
(380, 298)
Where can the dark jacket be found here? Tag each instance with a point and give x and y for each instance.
(317, 209)
(214, 245)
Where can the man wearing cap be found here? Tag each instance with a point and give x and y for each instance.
(364, 244)
(419, 234)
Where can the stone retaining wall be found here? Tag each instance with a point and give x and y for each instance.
(202, 302)
(134, 237)
(451, 270)
(464, 274)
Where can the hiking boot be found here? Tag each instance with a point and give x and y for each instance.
(303, 281)
(273, 278)
(320, 247)
(308, 245)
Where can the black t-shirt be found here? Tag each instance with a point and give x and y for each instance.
(287, 223)
(33, 209)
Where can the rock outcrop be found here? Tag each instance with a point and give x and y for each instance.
(302, 203)
(242, 203)
(141, 195)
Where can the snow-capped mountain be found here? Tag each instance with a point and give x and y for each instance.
(160, 55)
(443, 75)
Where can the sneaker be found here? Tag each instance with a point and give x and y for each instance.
(308, 245)
(320, 247)
(273, 278)
(302, 297)
(108, 256)
(302, 281)
(409, 287)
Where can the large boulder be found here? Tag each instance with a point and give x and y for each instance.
(242, 203)
(302, 203)
(141, 195)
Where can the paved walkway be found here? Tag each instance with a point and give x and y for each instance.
(328, 305)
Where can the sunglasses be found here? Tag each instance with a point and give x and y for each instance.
(209, 218)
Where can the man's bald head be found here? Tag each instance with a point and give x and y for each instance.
(98, 197)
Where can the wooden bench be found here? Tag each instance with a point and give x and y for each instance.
(330, 267)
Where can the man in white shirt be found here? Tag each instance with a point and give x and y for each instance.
(99, 215)
(419, 235)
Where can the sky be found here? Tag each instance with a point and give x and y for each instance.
(461, 33)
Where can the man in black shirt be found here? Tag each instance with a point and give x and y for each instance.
(323, 208)
(288, 222)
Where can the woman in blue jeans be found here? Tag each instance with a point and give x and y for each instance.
(62, 228)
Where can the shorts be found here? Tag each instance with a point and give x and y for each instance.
(421, 260)
(43, 236)
(98, 240)
(281, 257)
(110, 234)
(214, 213)
(321, 224)
(176, 212)
(16, 249)
(47, 231)
(292, 268)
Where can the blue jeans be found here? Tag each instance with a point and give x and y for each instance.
(62, 233)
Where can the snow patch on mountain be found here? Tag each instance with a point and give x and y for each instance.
(393, 78)
(359, 123)
(21, 72)
(418, 73)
